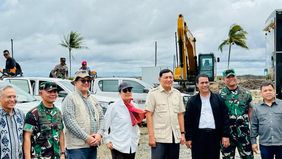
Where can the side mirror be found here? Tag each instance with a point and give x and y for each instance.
(146, 90)
(62, 94)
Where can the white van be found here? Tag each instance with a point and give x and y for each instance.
(109, 87)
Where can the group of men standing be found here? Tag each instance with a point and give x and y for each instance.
(213, 122)
(210, 123)
(41, 133)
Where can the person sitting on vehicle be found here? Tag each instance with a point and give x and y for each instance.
(60, 70)
(10, 68)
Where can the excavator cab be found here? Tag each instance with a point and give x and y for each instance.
(207, 65)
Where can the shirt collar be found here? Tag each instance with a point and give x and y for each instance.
(163, 90)
(273, 103)
(4, 113)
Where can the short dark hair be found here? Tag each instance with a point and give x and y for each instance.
(164, 71)
(266, 83)
(201, 75)
(6, 51)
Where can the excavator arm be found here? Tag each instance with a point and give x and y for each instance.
(186, 69)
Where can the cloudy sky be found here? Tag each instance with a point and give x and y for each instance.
(120, 34)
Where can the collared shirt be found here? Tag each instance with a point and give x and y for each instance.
(206, 118)
(45, 124)
(165, 107)
(266, 122)
(71, 122)
(122, 134)
(11, 134)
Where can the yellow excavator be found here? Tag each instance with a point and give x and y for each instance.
(188, 64)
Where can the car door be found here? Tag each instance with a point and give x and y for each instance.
(108, 87)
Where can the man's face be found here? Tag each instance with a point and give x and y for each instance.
(166, 80)
(203, 84)
(8, 99)
(49, 96)
(268, 93)
(230, 81)
(83, 84)
(6, 55)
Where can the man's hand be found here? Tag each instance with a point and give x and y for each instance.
(182, 139)
(225, 142)
(90, 140)
(152, 141)
(189, 144)
(255, 148)
(109, 145)
(62, 157)
(97, 139)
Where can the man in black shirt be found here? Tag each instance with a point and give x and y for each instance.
(10, 68)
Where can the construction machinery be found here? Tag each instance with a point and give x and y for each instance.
(273, 36)
(188, 64)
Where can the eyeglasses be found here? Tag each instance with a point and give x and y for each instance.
(84, 81)
(127, 90)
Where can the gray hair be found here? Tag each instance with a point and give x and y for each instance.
(4, 88)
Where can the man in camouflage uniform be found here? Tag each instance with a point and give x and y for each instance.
(43, 130)
(60, 70)
(238, 100)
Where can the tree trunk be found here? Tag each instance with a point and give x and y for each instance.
(70, 61)
(229, 55)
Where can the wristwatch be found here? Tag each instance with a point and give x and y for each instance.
(182, 132)
(63, 153)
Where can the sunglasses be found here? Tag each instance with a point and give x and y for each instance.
(127, 90)
(84, 81)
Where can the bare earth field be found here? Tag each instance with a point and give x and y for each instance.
(143, 151)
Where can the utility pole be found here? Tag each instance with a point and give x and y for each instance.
(12, 48)
(156, 51)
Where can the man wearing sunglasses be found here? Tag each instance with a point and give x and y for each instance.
(165, 118)
(83, 118)
(238, 101)
(43, 130)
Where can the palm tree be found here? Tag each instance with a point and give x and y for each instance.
(72, 41)
(237, 36)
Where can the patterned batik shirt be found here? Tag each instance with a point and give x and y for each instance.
(11, 134)
(45, 124)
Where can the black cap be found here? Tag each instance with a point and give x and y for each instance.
(124, 85)
(48, 86)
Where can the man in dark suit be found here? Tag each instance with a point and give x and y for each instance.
(206, 122)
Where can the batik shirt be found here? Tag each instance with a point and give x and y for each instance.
(11, 134)
(45, 124)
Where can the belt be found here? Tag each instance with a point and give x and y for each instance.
(207, 130)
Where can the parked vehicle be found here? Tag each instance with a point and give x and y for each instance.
(31, 86)
(109, 87)
(25, 101)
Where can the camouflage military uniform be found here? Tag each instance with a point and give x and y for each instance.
(238, 103)
(60, 71)
(45, 125)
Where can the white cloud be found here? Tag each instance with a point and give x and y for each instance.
(121, 34)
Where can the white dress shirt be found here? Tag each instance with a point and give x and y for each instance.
(206, 118)
(123, 135)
